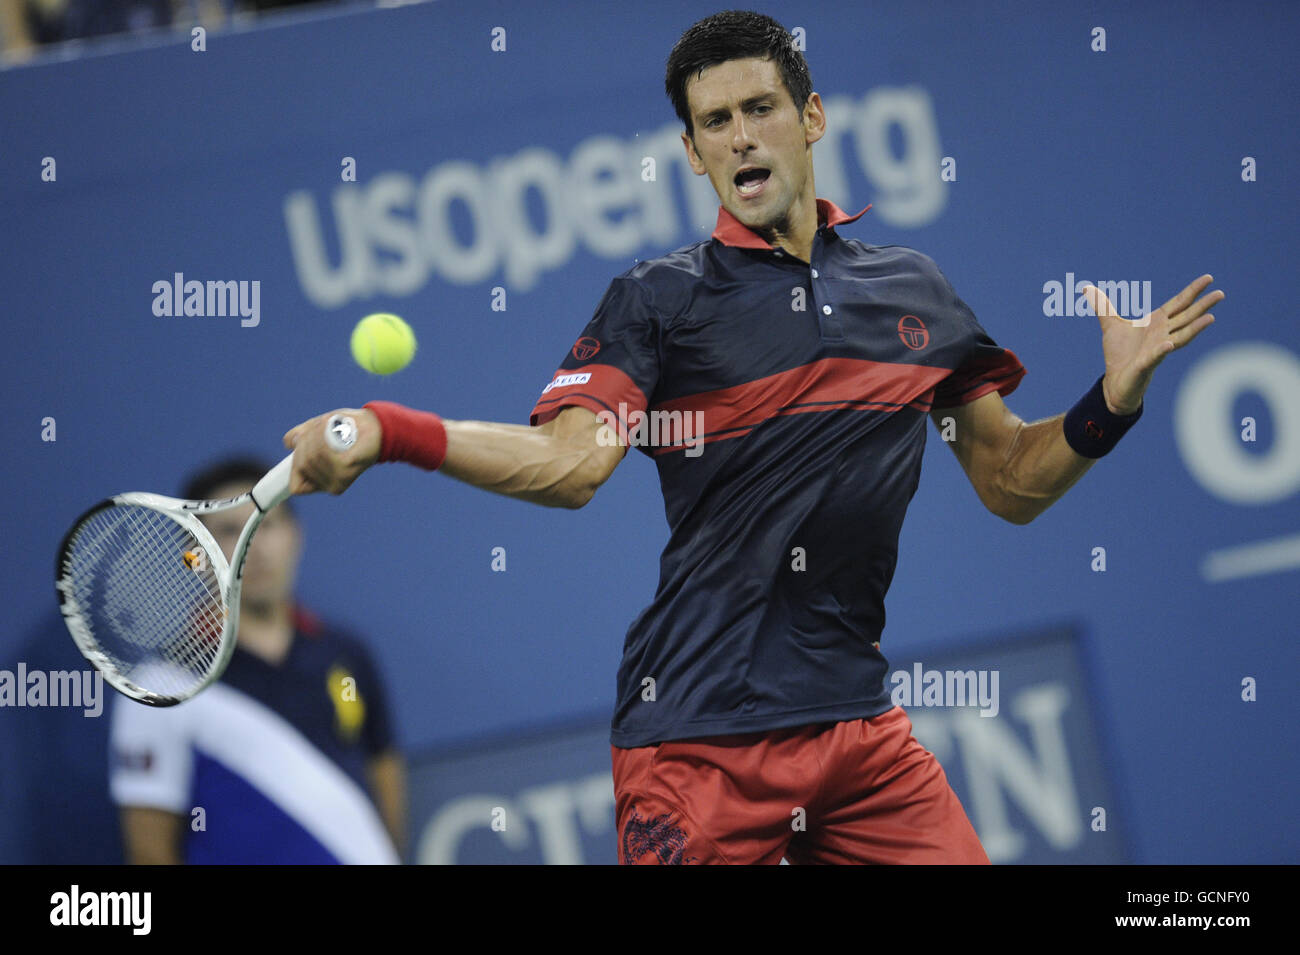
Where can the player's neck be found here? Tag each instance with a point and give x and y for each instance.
(266, 630)
(800, 228)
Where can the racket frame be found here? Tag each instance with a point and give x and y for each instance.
(268, 493)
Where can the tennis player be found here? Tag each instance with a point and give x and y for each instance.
(753, 721)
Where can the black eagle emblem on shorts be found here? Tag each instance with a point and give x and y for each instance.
(657, 835)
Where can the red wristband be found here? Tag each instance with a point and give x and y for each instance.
(416, 437)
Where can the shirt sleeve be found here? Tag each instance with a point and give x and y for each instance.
(613, 367)
(151, 762)
(985, 366)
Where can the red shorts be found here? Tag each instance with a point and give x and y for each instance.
(860, 791)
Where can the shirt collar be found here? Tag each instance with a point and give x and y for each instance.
(729, 230)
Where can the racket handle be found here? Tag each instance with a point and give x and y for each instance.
(272, 490)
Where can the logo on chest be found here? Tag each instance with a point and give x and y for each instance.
(349, 707)
(913, 333)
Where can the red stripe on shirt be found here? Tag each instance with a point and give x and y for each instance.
(826, 385)
(829, 384)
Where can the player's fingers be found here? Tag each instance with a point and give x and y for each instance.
(1187, 295)
(1186, 334)
(306, 477)
(325, 473)
(317, 467)
(1196, 310)
(305, 467)
(299, 483)
(292, 435)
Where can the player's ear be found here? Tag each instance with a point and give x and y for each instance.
(692, 156)
(813, 119)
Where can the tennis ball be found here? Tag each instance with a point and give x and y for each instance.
(383, 343)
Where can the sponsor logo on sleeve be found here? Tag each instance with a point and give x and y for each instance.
(563, 381)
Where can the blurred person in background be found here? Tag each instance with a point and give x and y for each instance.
(26, 25)
(289, 757)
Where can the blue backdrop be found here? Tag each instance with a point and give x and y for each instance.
(1109, 143)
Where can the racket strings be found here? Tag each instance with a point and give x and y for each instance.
(147, 596)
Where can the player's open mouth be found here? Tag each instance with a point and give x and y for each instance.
(750, 182)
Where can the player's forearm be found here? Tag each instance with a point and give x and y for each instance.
(557, 464)
(519, 461)
(1040, 467)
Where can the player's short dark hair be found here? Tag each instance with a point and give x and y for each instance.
(734, 35)
(236, 469)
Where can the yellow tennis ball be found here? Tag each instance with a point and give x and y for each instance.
(383, 343)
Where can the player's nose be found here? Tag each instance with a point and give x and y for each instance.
(742, 139)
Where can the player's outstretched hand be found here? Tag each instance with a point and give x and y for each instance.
(317, 466)
(1133, 349)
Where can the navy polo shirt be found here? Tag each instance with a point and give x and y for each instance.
(784, 404)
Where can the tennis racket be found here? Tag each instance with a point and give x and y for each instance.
(147, 593)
